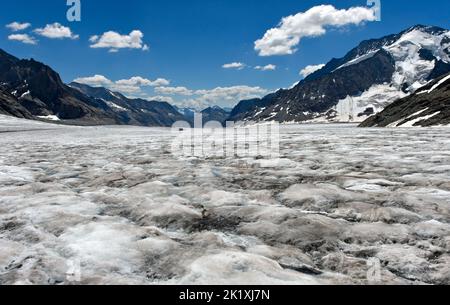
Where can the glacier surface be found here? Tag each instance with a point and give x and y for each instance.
(112, 205)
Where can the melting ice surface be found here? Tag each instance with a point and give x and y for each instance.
(112, 205)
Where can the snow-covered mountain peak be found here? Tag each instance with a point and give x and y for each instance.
(416, 51)
(432, 40)
(402, 45)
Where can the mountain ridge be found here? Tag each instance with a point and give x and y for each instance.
(419, 53)
(133, 111)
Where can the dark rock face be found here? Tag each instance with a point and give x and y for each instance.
(246, 108)
(320, 93)
(39, 89)
(160, 113)
(373, 62)
(363, 48)
(9, 105)
(429, 106)
(440, 69)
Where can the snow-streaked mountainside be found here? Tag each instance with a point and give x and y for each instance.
(362, 83)
(133, 111)
(33, 90)
(30, 89)
(428, 106)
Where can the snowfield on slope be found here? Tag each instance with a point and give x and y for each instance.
(112, 205)
(410, 69)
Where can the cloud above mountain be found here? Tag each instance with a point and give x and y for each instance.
(180, 96)
(308, 70)
(133, 85)
(285, 38)
(221, 96)
(174, 91)
(140, 81)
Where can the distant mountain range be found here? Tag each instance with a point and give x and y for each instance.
(215, 113)
(32, 90)
(353, 88)
(428, 106)
(361, 84)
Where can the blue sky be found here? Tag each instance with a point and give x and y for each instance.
(191, 40)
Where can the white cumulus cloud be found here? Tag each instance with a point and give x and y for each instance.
(220, 96)
(114, 41)
(269, 67)
(140, 81)
(308, 70)
(56, 31)
(24, 38)
(160, 98)
(181, 96)
(132, 86)
(284, 39)
(234, 65)
(174, 91)
(94, 81)
(17, 26)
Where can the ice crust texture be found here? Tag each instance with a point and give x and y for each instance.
(116, 201)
